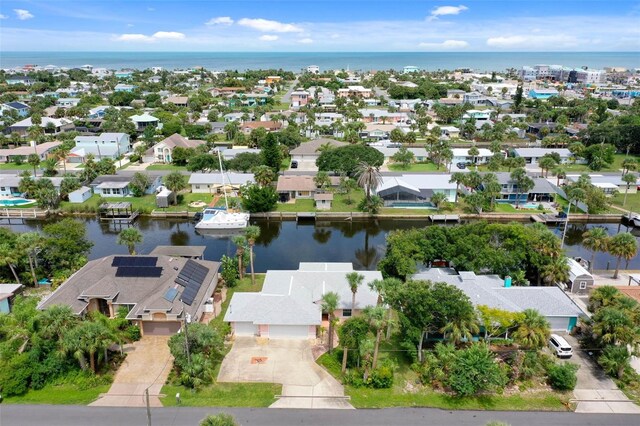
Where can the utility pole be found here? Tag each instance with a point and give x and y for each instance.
(146, 397)
(187, 317)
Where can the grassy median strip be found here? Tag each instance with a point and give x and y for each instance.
(59, 394)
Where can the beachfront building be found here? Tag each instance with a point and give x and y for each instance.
(410, 69)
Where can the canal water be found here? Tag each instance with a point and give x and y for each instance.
(284, 244)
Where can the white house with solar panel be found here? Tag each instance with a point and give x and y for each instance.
(160, 292)
(289, 305)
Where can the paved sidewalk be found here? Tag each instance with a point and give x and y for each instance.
(147, 365)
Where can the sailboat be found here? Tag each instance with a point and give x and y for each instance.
(216, 218)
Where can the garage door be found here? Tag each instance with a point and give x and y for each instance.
(160, 328)
(245, 328)
(288, 331)
(559, 323)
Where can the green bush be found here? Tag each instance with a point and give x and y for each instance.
(229, 271)
(354, 378)
(563, 376)
(381, 377)
(132, 333)
(475, 370)
(15, 375)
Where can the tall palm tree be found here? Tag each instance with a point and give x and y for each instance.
(130, 237)
(29, 243)
(240, 241)
(560, 173)
(9, 257)
(458, 178)
(613, 326)
(596, 240)
(533, 330)
(615, 360)
(461, 328)
(55, 321)
(368, 177)
(377, 318)
(556, 271)
(603, 296)
(329, 303)
(629, 179)
(351, 333)
(355, 280)
(622, 245)
(252, 233)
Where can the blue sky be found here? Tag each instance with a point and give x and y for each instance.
(328, 25)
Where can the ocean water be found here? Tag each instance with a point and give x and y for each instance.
(295, 61)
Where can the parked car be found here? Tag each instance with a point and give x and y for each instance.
(560, 347)
(294, 164)
(461, 165)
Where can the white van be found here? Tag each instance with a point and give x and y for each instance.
(560, 347)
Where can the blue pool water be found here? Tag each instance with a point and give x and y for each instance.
(529, 205)
(15, 202)
(425, 205)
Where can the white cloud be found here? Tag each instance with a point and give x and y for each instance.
(266, 25)
(23, 14)
(160, 35)
(447, 44)
(268, 37)
(129, 25)
(134, 37)
(447, 10)
(532, 41)
(3, 16)
(305, 40)
(168, 35)
(220, 20)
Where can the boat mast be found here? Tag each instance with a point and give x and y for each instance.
(224, 189)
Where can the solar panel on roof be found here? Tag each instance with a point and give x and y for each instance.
(191, 278)
(139, 271)
(134, 261)
(170, 294)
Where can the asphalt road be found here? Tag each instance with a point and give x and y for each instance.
(39, 415)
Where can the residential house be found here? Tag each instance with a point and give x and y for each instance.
(308, 152)
(43, 151)
(377, 131)
(313, 69)
(291, 187)
(414, 189)
(123, 74)
(299, 98)
(20, 79)
(163, 150)
(143, 120)
(160, 293)
(215, 183)
(383, 116)
(542, 190)
(419, 154)
(289, 305)
(533, 155)
(474, 98)
(609, 184)
(179, 101)
(269, 126)
(580, 280)
(67, 102)
(498, 293)
(225, 91)
(104, 145)
(20, 108)
(100, 72)
(248, 100)
(119, 186)
(80, 195)
(461, 155)
(355, 92)
(7, 292)
(273, 79)
(51, 126)
(449, 132)
(231, 153)
(322, 200)
(10, 184)
(121, 87)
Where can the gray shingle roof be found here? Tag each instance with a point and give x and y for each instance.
(310, 148)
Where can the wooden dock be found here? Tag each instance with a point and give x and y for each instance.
(548, 219)
(121, 212)
(444, 218)
(23, 214)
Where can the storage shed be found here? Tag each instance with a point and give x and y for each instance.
(580, 280)
(165, 198)
(80, 195)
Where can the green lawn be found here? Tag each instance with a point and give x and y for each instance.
(59, 394)
(415, 167)
(144, 204)
(166, 167)
(12, 166)
(227, 394)
(633, 202)
(419, 396)
(615, 167)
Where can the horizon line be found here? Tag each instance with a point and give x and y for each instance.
(319, 51)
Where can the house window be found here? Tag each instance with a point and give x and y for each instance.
(106, 191)
(346, 313)
(583, 285)
(116, 190)
(197, 186)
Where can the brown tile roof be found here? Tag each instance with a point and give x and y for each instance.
(178, 99)
(295, 183)
(630, 291)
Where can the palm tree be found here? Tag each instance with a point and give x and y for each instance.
(556, 271)
(615, 360)
(252, 233)
(560, 173)
(629, 179)
(61, 155)
(240, 241)
(29, 243)
(377, 318)
(368, 177)
(130, 237)
(9, 257)
(175, 182)
(461, 328)
(613, 326)
(329, 303)
(523, 183)
(458, 178)
(220, 419)
(264, 175)
(355, 280)
(55, 321)
(595, 239)
(351, 333)
(533, 330)
(623, 245)
(603, 296)
(34, 160)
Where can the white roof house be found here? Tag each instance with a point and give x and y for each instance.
(289, 305)
(209, 183)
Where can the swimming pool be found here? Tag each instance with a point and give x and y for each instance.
(529, 205)
(425, 205)
(13, 202)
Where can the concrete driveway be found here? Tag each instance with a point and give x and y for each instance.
(289, 362)
(147, 365)
(595, 392)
